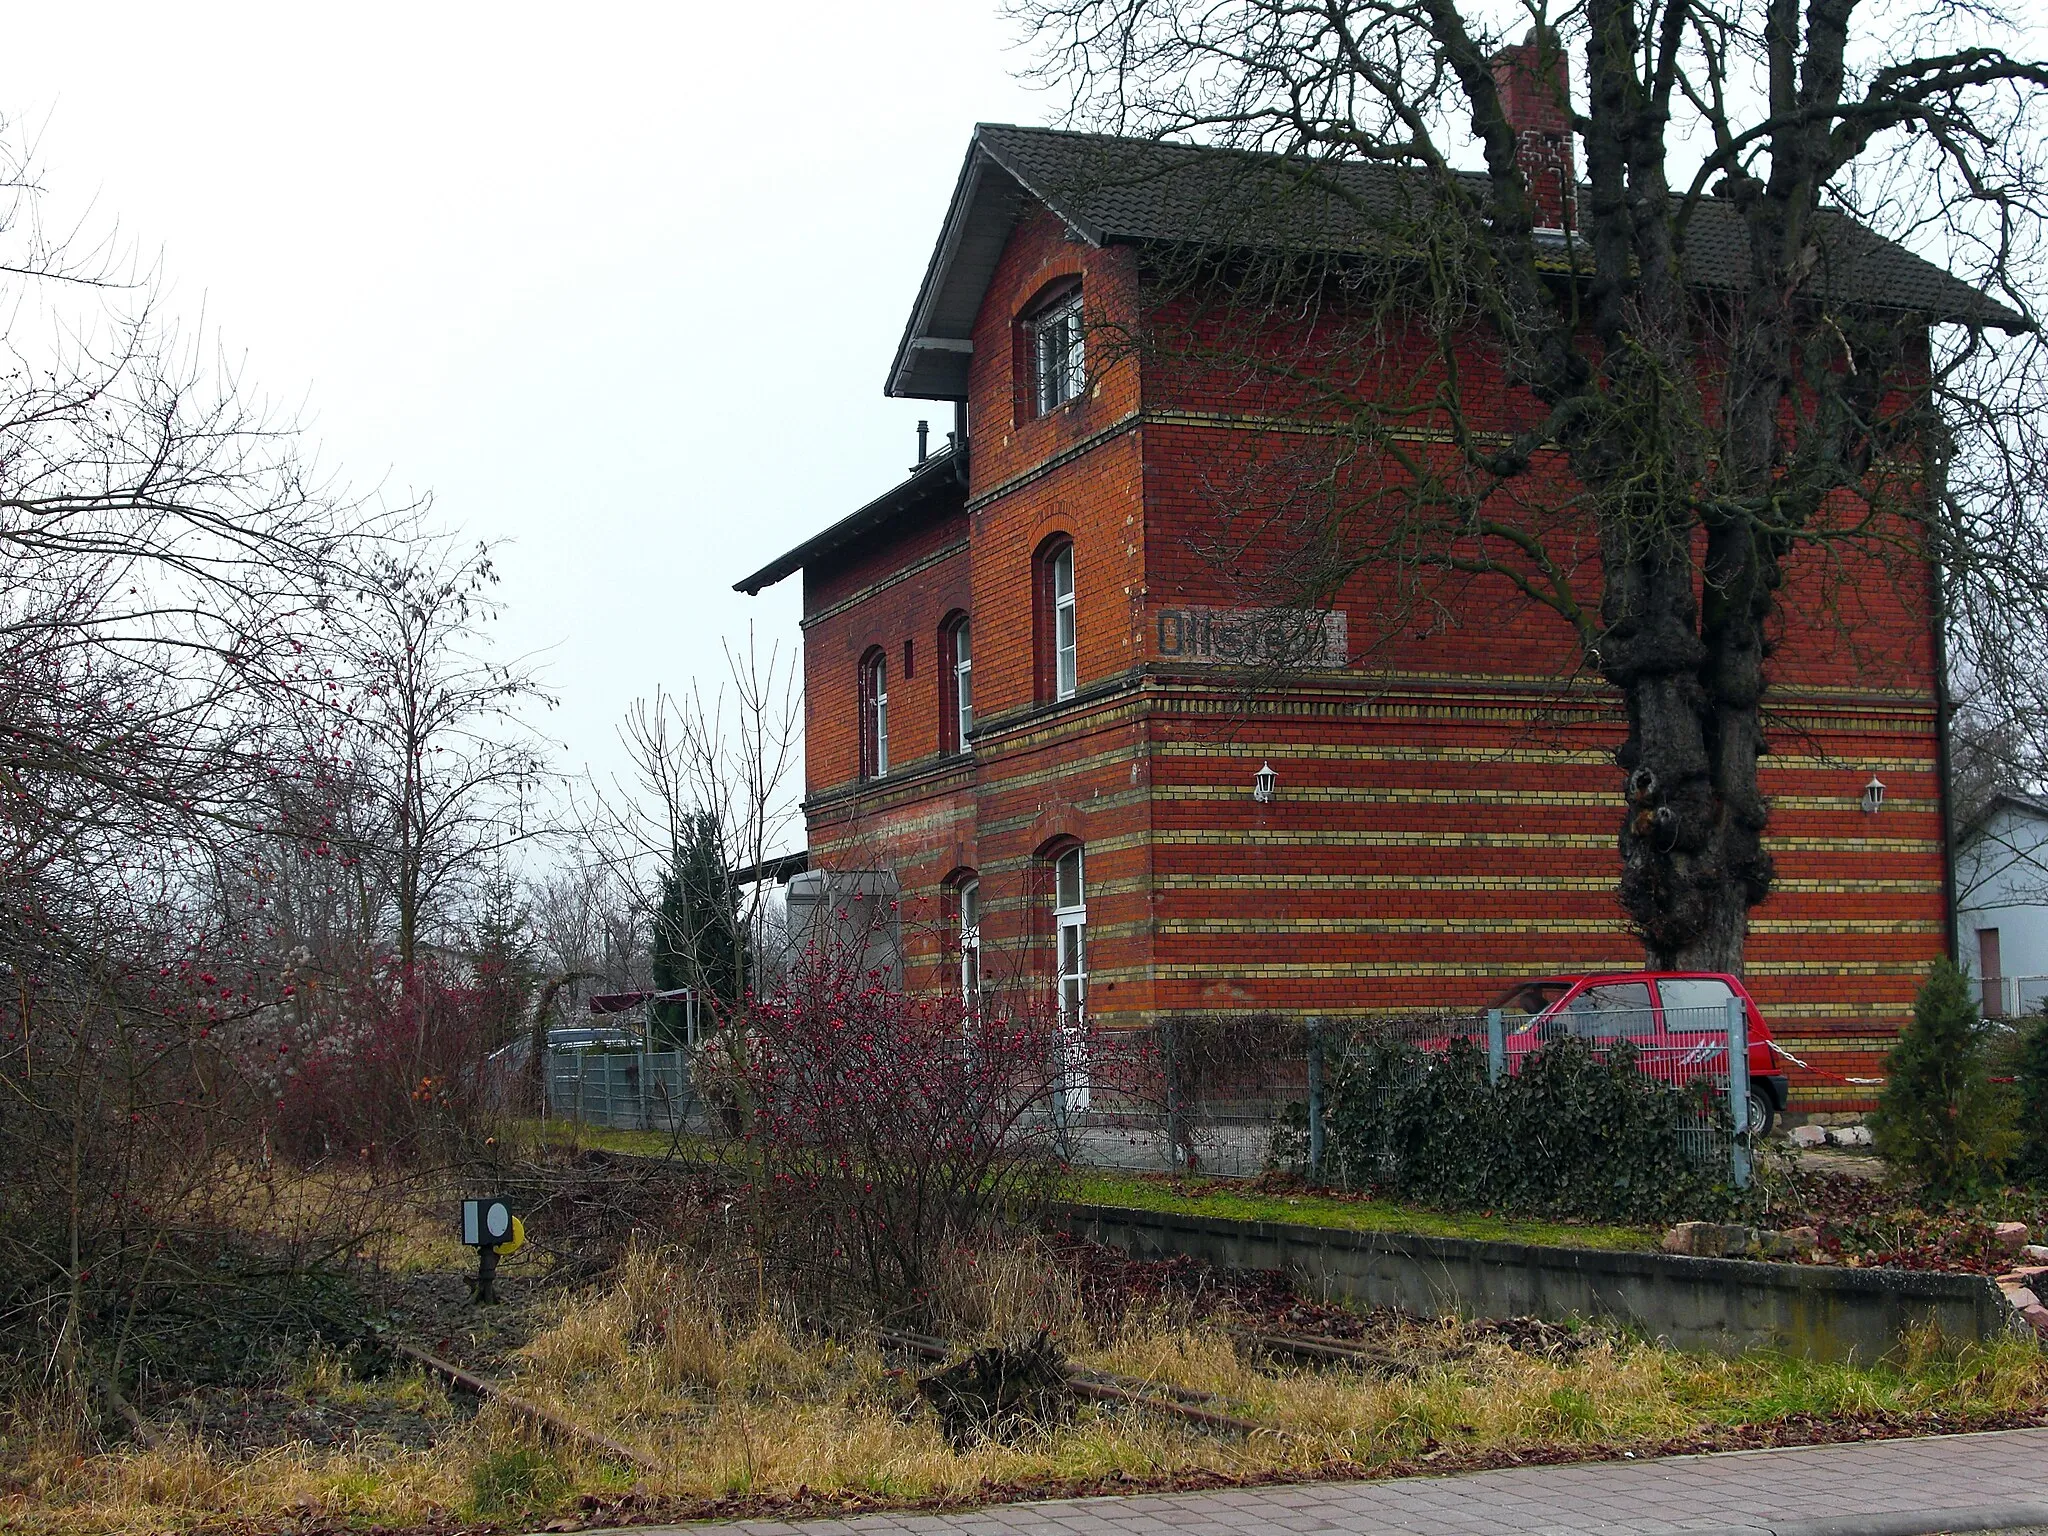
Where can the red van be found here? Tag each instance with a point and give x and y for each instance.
(1677, 1021)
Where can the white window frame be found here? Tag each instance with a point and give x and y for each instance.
(1070, 925)
(970, 945)
(875, 705)
(1066, 647)
(963, 680)
(1059, 354)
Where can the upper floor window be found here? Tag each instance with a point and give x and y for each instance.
(1059, 364)
(1055, 651)
(874, 715)
(956, 674)
(1065, 637)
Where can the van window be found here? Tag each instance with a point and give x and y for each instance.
(1530, 997)
(1613, 1011)
(1693, 1004)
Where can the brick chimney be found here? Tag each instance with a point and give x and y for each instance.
(1535, 83)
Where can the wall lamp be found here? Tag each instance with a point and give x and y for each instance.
(1873, 795)
(1265, 784)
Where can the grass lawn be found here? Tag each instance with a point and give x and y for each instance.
(558, 1135)
(1236, 1200)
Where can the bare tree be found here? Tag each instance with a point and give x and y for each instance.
(1702, 381)
(438, 732)
(170, 571)
(1999, 737)
(586, 923)
(717, 773)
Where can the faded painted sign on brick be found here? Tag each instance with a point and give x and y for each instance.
(1251, 637)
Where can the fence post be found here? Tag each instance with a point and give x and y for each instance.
(1169, 1042)
(1738, 1091)
(1496, 1047)
(581, 1056)
(1315, 1100)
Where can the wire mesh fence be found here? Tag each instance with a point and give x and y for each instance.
(1241, 1094)
(624, 1090)
(1238, 1095)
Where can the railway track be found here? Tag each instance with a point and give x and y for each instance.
(1203, 1409)
(1096, 1386)
(546, 1420)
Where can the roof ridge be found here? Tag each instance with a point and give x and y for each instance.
(1111, 187)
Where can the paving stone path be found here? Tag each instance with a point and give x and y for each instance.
(1875, 1488)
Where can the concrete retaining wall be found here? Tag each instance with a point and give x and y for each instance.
(1720, 1305)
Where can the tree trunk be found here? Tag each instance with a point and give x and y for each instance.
(1689, 665)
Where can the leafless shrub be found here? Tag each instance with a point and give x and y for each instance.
(188, 785)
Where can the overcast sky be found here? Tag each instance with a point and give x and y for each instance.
(617, 284)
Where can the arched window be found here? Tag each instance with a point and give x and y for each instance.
(1058, 628)
(1070, 926)
(874, 714)
(1059, 352)
(1070, 920)
(956, 682)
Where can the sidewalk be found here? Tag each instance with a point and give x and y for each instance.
(1950, 1483)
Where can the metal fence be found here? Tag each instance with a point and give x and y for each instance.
(2011, 997)
(1237, 1095)
(1225, 1094)
(625, 1090)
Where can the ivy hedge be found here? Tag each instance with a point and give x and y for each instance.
(1574, 1133)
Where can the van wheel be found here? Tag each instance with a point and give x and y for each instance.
(1763, 1114)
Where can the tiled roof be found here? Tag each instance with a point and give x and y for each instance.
(1114, 189)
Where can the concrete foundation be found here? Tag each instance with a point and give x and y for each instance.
(1724, 1306)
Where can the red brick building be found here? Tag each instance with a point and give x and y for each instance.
(1021, 694)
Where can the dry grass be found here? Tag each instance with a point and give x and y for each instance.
(402, 1219)
(732, 1400)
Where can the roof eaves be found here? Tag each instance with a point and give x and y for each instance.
(982, 154)
(2032, 805)
(964, 187)
(945, 468)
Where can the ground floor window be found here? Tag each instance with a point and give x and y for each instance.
(1070, 923)
(969, 939)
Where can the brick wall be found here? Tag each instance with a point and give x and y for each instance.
(892, 593)
(1448, 804)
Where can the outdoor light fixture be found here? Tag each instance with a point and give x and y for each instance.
(1873, 794)
(1265, 783)
(489, 1227)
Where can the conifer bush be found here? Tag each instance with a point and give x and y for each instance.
(2030, 1070)
(1940, 1117)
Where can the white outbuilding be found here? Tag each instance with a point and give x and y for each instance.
(2001, 872)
